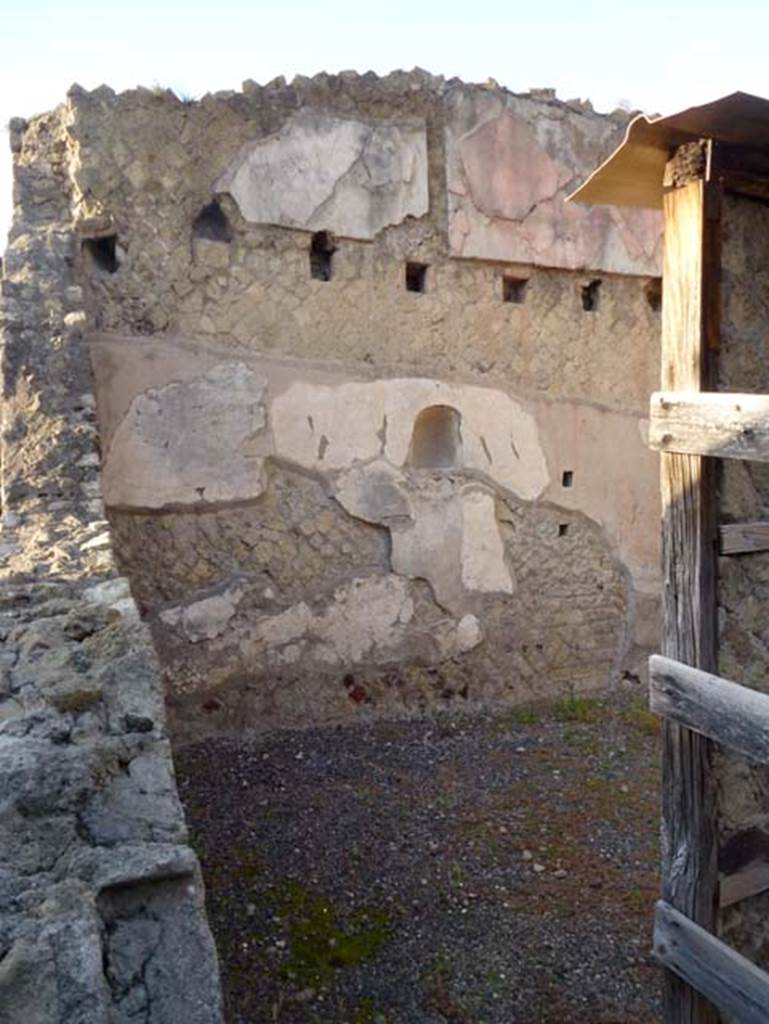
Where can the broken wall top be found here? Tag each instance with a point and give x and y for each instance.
(355, 155)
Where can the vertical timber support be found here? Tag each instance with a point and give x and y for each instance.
(689, 341)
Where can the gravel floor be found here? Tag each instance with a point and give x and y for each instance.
(485, 870)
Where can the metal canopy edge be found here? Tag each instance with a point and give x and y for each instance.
(632, 175)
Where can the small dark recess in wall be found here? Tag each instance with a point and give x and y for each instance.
(590, 295)
(211, 224)
(563, 529)
(103, 253)
(568, 478)
(322, 250)
(514, 289)
(416, 277)
(653, 293)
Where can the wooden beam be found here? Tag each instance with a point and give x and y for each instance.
(751, 185)
(749, 881)
(726, 978)
(689, 339)
(716, 424)
(733, 715)
(743, 538)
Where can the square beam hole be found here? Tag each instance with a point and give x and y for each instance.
(514, 289)
(416, 277)
(322, 250)
(103, 253)
(567, 480)
(590, 295)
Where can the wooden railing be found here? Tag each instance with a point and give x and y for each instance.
(711, 424)
(735, 717)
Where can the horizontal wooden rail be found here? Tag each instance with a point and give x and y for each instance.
(743, 538)
(751, 881)
(728, 713)
(722, 425)
(726, 978)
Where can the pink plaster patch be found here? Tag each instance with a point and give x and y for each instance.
(507, 171)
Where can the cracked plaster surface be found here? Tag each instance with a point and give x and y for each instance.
(193, 442)
(327, 173)
(189, 441)
(509, 170)
(367, 620)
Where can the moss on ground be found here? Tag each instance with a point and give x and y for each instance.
(320, 941)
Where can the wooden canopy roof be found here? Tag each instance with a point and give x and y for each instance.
(632, 176)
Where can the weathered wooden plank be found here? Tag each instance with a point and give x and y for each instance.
(689, 337)
(743, 538)
(717, 424)
(733, 715)
(743, 865)
(726, 978)
(750, 881)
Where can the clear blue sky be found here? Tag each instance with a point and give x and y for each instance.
(657, 56)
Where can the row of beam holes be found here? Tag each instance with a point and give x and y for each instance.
(211, 224)
(514, 289)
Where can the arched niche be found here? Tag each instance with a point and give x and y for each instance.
(436, 440)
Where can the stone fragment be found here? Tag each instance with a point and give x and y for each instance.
(375, 493)
(205, 619)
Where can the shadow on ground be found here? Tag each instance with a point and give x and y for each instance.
(486, 870)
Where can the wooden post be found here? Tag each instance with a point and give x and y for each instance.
(689, 337)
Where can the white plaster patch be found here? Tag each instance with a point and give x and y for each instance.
(205, 619)
(324, 426)
(328, 173)
(189, 442)
(483, 551)
(366, 618)
(430, 548)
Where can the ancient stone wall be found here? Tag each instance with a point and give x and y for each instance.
(370, 395)
(101, 902)
(330, 376)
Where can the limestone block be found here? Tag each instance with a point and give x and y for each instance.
(510, 164)
(56, 974)
(328, 173)
(189, 442)
(141, 804)
(132, 862)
